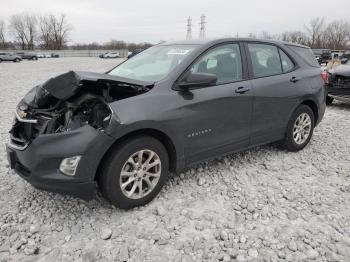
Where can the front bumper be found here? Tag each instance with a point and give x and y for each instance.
(39, 162)
(339, 92)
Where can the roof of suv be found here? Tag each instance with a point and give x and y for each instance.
(218, 40)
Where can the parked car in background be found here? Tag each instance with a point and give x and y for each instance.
(338, 83)
(46, 55)
(28, 56)
(322, 55)
(337, 54)
(345, 57)
(135, 52)
(173, 105)
(110, 55)
(10, 57)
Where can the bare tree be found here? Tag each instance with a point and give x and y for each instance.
(60, 30)
(315, 32)
(30, 22)
(54, 31)
(251, 35)
(45, 32)
(337, 34)
(23, 27)
(266, 35)
(297, 37)
(2, 34)
(17, 29)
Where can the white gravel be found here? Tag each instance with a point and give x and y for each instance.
(263, 204)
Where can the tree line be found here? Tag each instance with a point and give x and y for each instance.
(319, 34)
(51, 32)
(29, 31)
(316, 34)
(111, 45)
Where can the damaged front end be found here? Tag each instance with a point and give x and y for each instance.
(68, 102)
(339, 82)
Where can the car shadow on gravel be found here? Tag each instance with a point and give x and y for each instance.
(56, 203)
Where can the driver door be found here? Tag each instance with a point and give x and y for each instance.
(218, 118)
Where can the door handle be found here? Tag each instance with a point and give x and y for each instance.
(294, 79)
(242, 90)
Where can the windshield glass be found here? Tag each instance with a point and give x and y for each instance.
(154, 63)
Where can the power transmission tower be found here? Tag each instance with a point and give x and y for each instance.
(189, 29)
(202, 27)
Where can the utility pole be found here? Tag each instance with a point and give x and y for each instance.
(202, 27)
(189, 28)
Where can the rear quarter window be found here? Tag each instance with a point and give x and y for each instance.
(306, 54)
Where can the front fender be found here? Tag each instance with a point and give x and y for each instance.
(122, 130)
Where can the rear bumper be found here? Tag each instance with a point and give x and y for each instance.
(321, 110)
(39, 162)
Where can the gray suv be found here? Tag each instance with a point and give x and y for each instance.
(10, 57)
(164, 109)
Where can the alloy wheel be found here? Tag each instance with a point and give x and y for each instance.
(140, 174)
(302, 128)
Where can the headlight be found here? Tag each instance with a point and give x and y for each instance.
(69, 165)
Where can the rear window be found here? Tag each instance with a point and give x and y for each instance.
(306, 54)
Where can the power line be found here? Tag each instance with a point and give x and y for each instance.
(189, 28)
(202, 27)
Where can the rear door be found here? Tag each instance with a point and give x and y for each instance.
(277, 85)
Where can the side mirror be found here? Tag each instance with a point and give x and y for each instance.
(196, 80)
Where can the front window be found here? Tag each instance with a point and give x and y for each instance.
(154, 63)
(224, 61)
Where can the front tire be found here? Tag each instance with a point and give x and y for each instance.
(16, 60)
(134, 172)
(300, 129)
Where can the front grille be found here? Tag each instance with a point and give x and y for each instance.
(24, 132)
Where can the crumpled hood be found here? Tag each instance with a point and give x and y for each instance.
(341, 70)
(68, 84)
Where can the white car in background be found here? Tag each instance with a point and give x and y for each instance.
(46, 55)
(110, 55)
(10, 57)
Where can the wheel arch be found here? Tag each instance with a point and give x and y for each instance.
(157, 134)
(310, 103)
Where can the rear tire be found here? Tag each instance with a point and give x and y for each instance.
(123, 190)
(16, 60)
(329, 100)
(300, 129)
(34, 58)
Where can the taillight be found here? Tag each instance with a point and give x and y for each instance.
(325, 77)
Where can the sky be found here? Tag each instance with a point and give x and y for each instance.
(156, 20)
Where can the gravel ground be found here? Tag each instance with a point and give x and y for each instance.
(263, 204)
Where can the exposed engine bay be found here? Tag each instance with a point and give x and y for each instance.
(70, 101)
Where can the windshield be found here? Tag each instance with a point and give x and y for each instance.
(154, 63)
